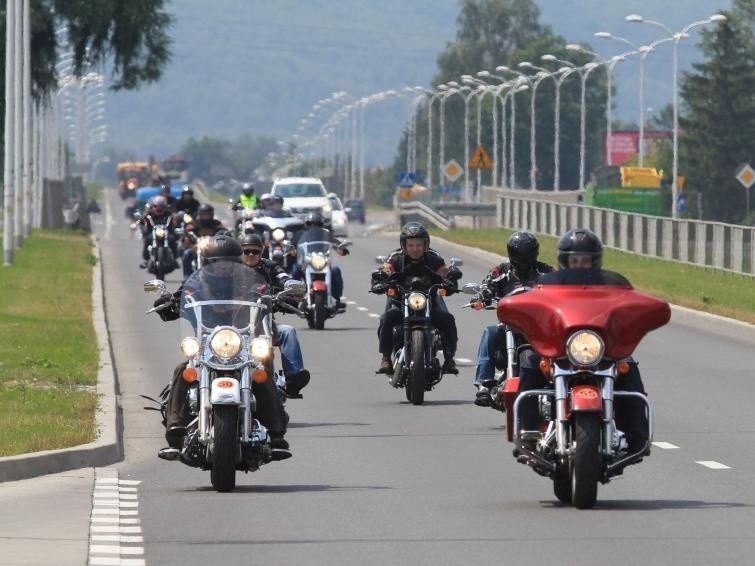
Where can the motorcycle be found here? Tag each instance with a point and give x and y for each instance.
(417, 342)
(245, 221)
(227, 324)
(315, 258)
(517, 349)
(161, 258)
(278, 233)
(584, 335)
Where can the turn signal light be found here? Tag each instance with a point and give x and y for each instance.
(623, 367)
(259, 376)
(545, 367)
(391, 292)
(189, 375)
(477, 306)
(442, 292)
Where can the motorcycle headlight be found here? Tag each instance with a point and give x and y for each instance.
(326, 208)
(190, 346)
(340, 220)
(187, 219)
(160, 232)
(585, 348)
(318, 262)
(417, 301)
(260, 348)
(248, 213)
(226, 343)
(278, 234)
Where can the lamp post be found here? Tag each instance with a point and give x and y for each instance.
(453, 88)
(535, 81)
(676, 37)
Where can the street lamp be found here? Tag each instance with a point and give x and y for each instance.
(676, 37)
(535, 81)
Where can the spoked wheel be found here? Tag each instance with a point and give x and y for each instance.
(225, 440)
(320, 311)
(585, 472)
(416, 386)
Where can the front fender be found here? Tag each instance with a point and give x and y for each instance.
(225, 391)
(585, 399)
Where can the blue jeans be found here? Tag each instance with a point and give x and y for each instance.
(291, 355)
(336, 279)
(186, 260)
(486, 355)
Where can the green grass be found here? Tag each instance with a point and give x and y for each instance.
(48, 349)
(699, 288)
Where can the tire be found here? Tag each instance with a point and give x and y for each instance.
(225, 444)
(585, 472)
(416, 385)
(160, 264)
(320, 311)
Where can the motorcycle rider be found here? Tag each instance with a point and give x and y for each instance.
(414, 258)
(171, 200)
(293, 363)
(187, 204)
(221, 251)
(522, 270)
(580, 260)
(315, 231)
(205, 224)
(247, 198)
(265, 200)
(159, 213)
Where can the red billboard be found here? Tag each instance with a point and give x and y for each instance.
(624, 145)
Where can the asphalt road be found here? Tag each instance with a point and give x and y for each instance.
(375, 480)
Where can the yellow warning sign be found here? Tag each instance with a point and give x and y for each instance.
(480, 159)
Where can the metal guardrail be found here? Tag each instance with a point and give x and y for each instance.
(414, 210)
(728, 247)
(466, 208)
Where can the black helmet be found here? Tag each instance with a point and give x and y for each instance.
(247, 189)
(158, 205)
(252, 239)
(164, 189)
(523, 249)
(579, 241)
(205, 209)
(187, 190)
(221, 247)
(314, 219)
(412, 231)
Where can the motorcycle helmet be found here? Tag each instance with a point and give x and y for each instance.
(187, 190)
(278, 200)
(205, 213)
(165, 190)
(413, 231)
(221, 247)
(247, 189)
(579, 241)
(252, 239)
(314, 219)
(266, 199)
(523, 249)
(158, 205)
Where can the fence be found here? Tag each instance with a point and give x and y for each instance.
(708, 244)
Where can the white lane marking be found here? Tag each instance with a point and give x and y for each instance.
(362, 308)
(665, 445)
(373, 315)
(713, 465)
(351, 302)
(114, 538)
(108, 219)
(464, 360)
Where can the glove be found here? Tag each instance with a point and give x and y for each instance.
(343, 251)
(454, 273)
(170, 313)
(449, 286)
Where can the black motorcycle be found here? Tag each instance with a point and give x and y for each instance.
(160, 244)
(417, 341)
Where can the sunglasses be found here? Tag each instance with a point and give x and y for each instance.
(252, 251)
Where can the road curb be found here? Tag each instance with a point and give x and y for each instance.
(107, 448)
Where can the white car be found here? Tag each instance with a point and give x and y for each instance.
(338, 220)
(303, 195)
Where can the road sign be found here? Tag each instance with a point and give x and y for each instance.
(681, 203)
(746, 176)
(443, 190)
(480, 159)
(452, 170)
(406, 180)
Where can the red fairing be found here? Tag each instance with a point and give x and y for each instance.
(549, 314)
(319, 285)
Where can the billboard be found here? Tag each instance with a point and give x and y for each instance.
(624, 145)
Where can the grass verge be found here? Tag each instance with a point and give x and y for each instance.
(698, 288)
(48, 348)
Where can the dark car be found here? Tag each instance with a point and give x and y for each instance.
(354, 209)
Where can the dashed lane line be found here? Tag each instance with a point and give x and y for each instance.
(665, 445)
(115, 533)
(713, 465)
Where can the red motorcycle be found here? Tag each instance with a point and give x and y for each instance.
(584, 335)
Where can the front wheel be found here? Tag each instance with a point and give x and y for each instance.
(585, 472)
(160, 264)
(225, 441)
(416, 383)
(320, 311)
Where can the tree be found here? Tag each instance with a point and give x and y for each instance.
(717, 127)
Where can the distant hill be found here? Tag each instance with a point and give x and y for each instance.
(256, 66)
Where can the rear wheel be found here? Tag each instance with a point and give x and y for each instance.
(225, 440)
(585, 472)
(320, 311)
(416, 385)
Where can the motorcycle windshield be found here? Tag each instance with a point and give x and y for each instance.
(313, 246)
(223, 293)
(549, 314)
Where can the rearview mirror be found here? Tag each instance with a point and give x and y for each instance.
(294, 287)
(380, 260)
(155, 286)
(471, 288)
(456, 261)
